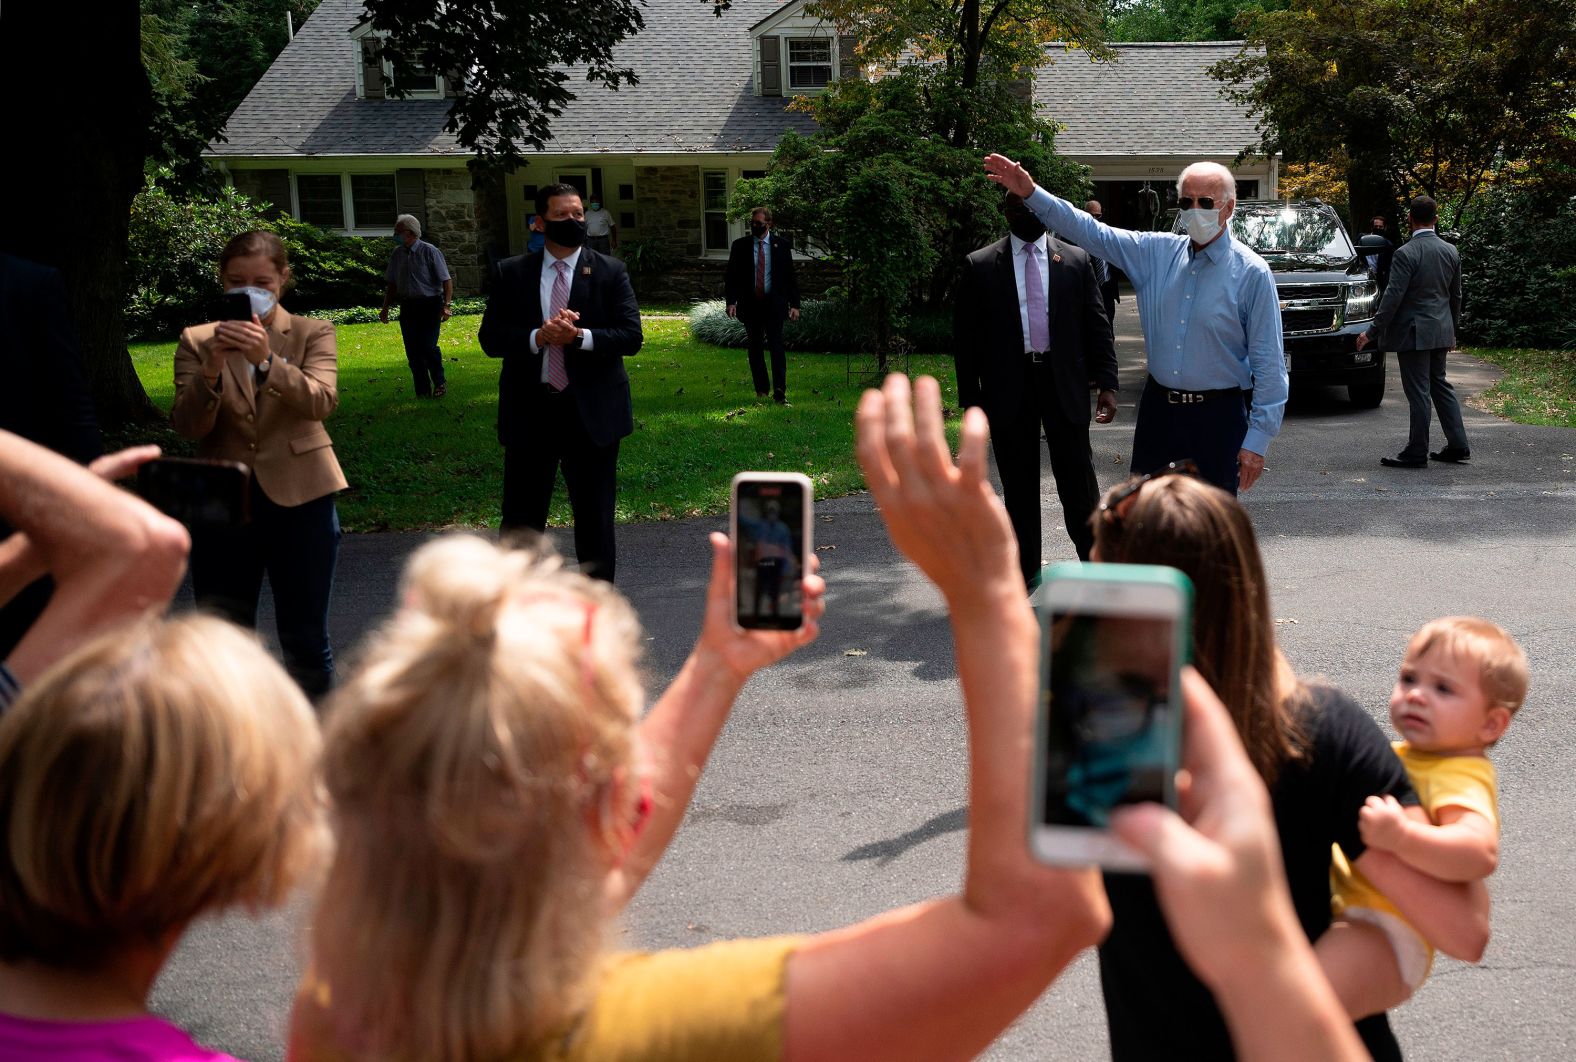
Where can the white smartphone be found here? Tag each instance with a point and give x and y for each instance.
(771, 526)
(1114, 639)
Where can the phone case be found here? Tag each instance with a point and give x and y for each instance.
(806, 538)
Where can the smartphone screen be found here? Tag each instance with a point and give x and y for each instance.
(769, 551)
(1110, 734)
(198, 493)
(1115, 637)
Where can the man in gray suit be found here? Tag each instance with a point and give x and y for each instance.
(1417, 319)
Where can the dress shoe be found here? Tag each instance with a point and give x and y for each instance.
(1451, 455)
(1403, 462)
(781, 400)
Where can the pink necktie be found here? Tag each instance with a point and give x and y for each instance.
(557, 375)
(1034, 291)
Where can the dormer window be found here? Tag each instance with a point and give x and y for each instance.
(809, 63)
(376, 76)
(417, 81)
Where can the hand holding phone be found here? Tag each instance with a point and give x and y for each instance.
(196, 491)
(1115, 637)
(770, 516)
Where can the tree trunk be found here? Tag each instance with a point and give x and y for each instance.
(69, 193)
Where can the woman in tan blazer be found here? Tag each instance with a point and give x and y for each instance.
(258, 392)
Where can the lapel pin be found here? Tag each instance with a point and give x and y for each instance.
(585, 271)
(1056, 258)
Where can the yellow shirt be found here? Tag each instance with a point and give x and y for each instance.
(719, 1002)
(1467, 782)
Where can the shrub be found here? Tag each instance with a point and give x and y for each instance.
(823, 325)
(646, 256)
(464, 307)
(1517, 249)
(174, 248)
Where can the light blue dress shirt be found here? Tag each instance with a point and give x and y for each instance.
(1211, 320)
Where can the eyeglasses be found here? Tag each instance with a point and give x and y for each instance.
(1205, 202)
(1114, 509)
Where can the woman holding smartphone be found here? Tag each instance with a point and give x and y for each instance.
(257, 391)
(1318, 752)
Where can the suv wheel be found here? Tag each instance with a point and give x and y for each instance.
(1368, 391)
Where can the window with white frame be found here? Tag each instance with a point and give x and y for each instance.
(416, 80)
(809, 62)
(714, 209)
(349, 202)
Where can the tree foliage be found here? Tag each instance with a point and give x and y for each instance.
(509, 56)
(882, 190)
(1518, 262)
(1180, 20)
(1476, 84)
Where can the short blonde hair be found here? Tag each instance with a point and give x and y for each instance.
(463, 916)
(160, 771)
(1500, 662)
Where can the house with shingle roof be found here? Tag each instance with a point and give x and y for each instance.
(319, 138)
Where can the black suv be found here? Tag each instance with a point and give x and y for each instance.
(1328, 293)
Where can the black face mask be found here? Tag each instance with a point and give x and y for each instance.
(758, 228)
(1025, 226)
(566, 233)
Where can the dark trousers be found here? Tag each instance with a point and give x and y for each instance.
(419, 321)
(590, 475)
(1017, 448)
(1422, 378)
(1209, 432)
(763, 327)
(297, 547)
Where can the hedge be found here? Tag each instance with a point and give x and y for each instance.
(823, 325)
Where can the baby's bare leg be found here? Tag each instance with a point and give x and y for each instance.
(1361, 965)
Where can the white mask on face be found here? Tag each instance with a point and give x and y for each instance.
(1202, 225)
(263, 301)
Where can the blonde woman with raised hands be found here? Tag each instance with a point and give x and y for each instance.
(499, 797)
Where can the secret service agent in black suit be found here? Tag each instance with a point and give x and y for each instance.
(762, 311)
(1105, 274)
(575, 419)
(1022, 388)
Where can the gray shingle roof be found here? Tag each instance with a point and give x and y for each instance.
(1155, 99)
(695, 94)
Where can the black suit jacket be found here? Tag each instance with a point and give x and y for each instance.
(739, 283)
(991, 367)
(45, 398)
(601, 293)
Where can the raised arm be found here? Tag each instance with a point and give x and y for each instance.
(942, 979)
(1221, 883)
(111, 554)
(681, 728)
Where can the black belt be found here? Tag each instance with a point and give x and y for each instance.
(1187, 398)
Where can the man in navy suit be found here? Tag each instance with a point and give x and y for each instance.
(761, 292)
(563, 320)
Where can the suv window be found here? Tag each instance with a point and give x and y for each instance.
(1291, 230)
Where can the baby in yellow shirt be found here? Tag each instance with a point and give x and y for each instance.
(1460, 683)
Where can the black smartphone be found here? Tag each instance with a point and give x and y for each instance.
(232, 306)
(771, 543)
(1110, 727)
(196, 491)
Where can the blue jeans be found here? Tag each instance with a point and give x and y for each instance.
(297, 547)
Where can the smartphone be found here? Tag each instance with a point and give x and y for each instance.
(232, 306)
(196, 491)
(770, 518)
(1114, 639)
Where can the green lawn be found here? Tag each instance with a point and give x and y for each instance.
(1538, 386)
(429, 464)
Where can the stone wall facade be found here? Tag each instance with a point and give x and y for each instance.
(669, 208)
(452, 224)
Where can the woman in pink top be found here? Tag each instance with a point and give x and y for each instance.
(160, 772)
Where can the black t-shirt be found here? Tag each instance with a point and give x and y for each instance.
(1155, 1006)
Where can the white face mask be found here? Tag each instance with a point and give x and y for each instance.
(1202, 225)
(263, 301)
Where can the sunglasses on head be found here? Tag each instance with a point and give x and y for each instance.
(1205, 202)
(1114, 509)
